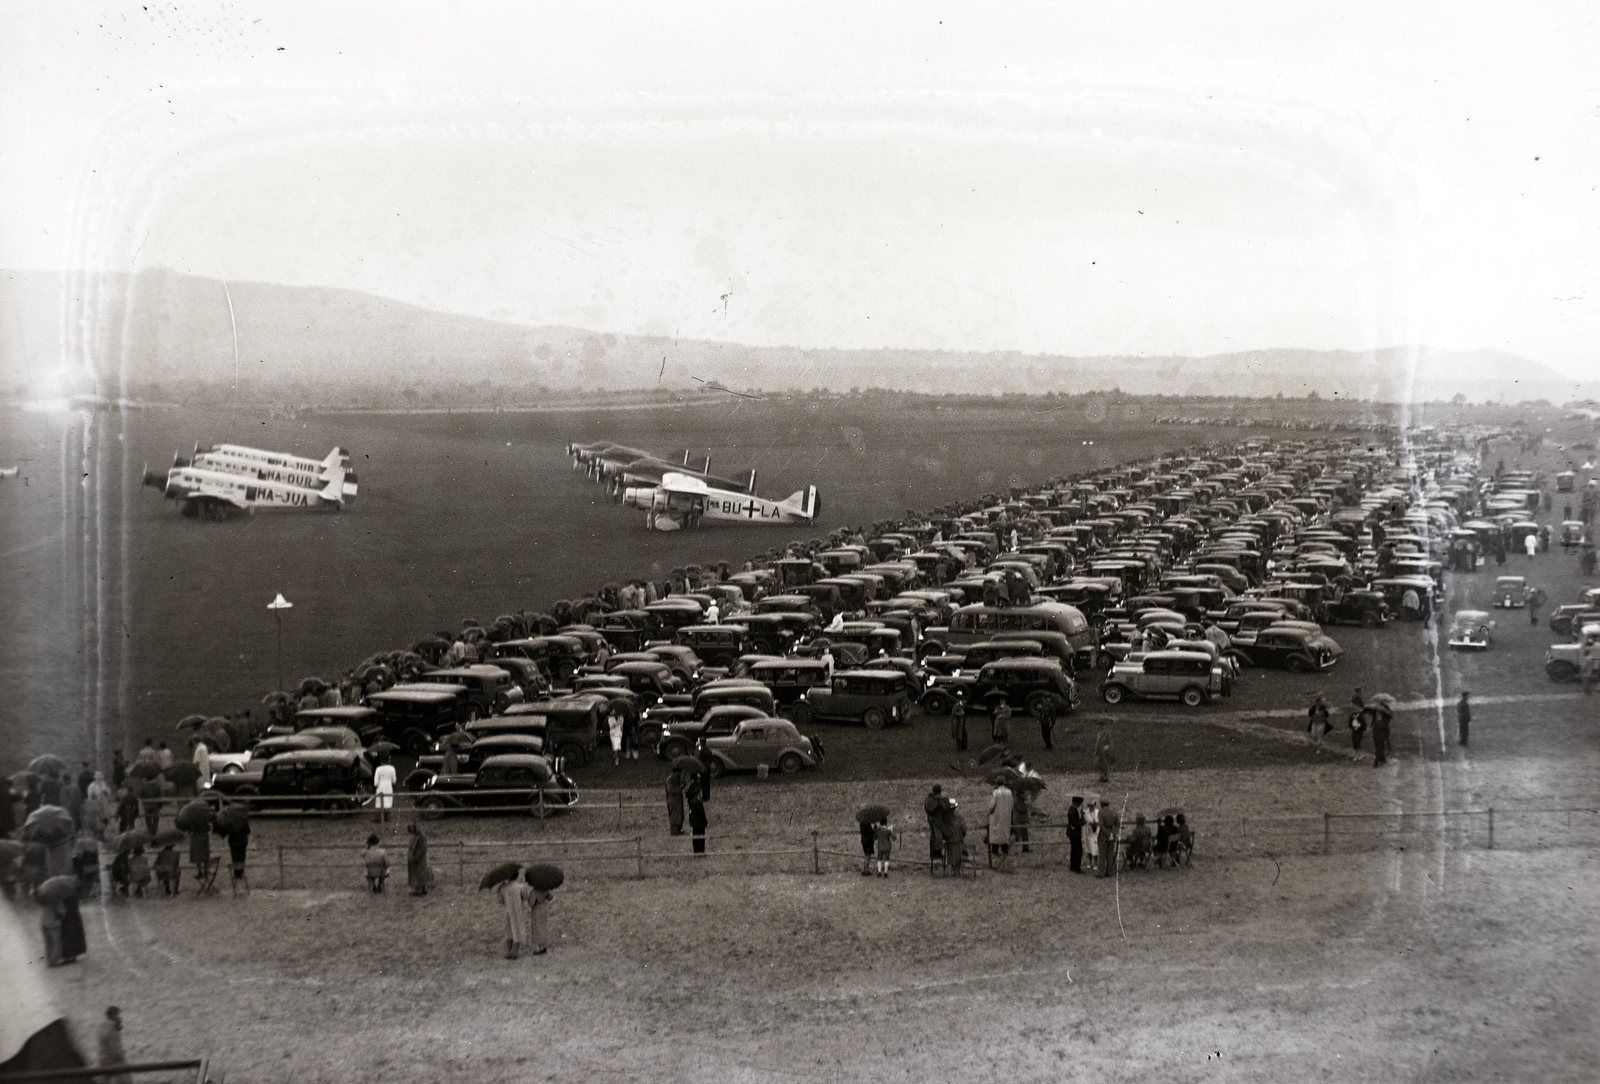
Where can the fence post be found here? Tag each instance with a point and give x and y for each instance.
(638, 846)
(619, 811)
(1491, 828)
(1327, 832)
(280, 867)
(816, 858)
(461, 862)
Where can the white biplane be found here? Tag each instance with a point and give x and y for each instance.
(682, 500)
(229, 478)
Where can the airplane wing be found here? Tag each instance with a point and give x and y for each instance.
(211, 493)
(673, 482)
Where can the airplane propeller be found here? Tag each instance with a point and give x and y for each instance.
(152, 479)
(179, 461)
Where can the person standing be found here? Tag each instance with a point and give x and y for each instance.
(539, 925)
(697, 823)
(704, 757)
(516, 898)
(1317, 721)
(127, 809)
(958, 724)
(1000, 723)
(630, 736)
(238, 844)
(383, 780)
(417, 860)
(119, 768)
(1380, 736)
(111, 1052)
(1530, 543)
(1463, 716)
(376, 862)
(934, 805)
(200, 855)
(883, 834)
(1075, 834)
(1102, 752)
(614, 732)
(1001, 802)
(1047, 720)
(1358, 722)
(1107, 841)
(202, 760)
(1091, 833)
(675, 802)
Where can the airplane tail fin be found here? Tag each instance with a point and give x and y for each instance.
(342, 489)
(803, 502)
(336, 459)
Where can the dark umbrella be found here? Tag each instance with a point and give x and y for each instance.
(994, 752)
(168, 837)
(1028, 784)
(230, 820)
(382, 748)
(688, 764)
(183, 772)
(47, 764)
(505, 871)
(58, 890)
(144, 769)
(20, 780)
(872, 814)
(459, 740)
(1170, 811)
(194, 722)
(310, 686)
(50, 825)
(546, 878)
(133, 837)
(193, 817)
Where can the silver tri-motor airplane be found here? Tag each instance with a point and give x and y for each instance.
(226, 479)
(682, 500)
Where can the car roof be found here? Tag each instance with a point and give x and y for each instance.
(349, 712)
(418, 696)
(316, 756)
(1025, 662)
(515, 760)
(880, 674)
(1472, 615)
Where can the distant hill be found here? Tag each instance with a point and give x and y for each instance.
(157, 329)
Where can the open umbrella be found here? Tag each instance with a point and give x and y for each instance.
(11, 851)
(1028, 784)
(168, 837)
(382, 748)
(546, 878)
(1170, 811)
(50, 825)
(183, 772)
(20, 780)
(505, 871)
(1384, 700)
(193, 817)
(58, 890)
(994, 752)
(194, 722)
(133, 837)
(871, 814)
(459, 740)
(144, 769)
(47, 764)
(230, 820)
(689, 765)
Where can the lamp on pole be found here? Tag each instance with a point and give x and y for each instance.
(277, 606)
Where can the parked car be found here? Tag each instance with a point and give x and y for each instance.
(331, 781)
(790, 679)
(1510, 592)
(509, 782)
(873, 698)
(490, 689)
(468, 759)
(1565, 662)
(715, 645)
(1471, 630)
(1295, 649)
(570, 725)
(755, 742)
(688, 720)
(414, 718)
(1024, 683)
(1187, 676)
(1566, 618)
(680, 740)
(1368, 609)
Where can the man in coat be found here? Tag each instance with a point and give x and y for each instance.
(1001, 803)
(1380, 735)
(675, 802)
(1047, 721)
(1000, 724)
(958, 725)
(1102, 753)
(1075, 834)
(1463, 716)
(937, 808)
(417, 860)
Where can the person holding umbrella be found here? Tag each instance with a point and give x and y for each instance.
(697, 822)
(958, 724)
(1463, 716)
(516, 897)
(937, 808)
(868, 819)
(1382, 706)
(233, 823)
(1001, 802)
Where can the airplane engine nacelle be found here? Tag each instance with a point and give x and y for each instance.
(642, 499)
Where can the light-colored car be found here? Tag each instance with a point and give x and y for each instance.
(1189, 676)
(1471, 630)
(754, 742)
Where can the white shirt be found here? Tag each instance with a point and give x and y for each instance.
(712, 614)
(383, 779)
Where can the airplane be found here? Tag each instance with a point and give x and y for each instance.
(215, 494)
(618, 467)
(262, 471)
(683, 500)
(336, 459)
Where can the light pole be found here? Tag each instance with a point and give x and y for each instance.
(277, 606)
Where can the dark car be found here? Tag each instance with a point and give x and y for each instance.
(570, 725)
(1299, 650)
(361, 720)
(1024, 683)
(687, 719)
(490, 688)
(510, 782)
(716, 645)
(789, 679)
(774, 633)
(331, 781)
(481, 749)
(1369, 609)
(625, 630)
(680, 740)
(414, 718)
(874, 698)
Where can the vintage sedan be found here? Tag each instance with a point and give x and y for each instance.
(509, 782)
(757, 742)
(331, 781)
(1471, 630)
(1297, 650)
(1188, 676)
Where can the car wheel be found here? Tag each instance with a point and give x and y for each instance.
(936, 704)
(416, 743)
(1369, 620)
(790, 763)
(1036, 704)
(675, 749)
(1104, 661)
(649, 736)
(802, 714)
(926, 648)
(430, 808)
(574, 755)
(564, 669)
(715, 768)
(1193, 697)
(1561, 671)
(232, 769)
(1113, 694)
(1296, 665)
(874, 718)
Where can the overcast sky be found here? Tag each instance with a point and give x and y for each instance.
(1078, 179)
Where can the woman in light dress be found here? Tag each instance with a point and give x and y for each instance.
(516, 897)
(1091, 831)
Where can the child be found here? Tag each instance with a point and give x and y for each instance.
(377, 863)
(138, 872)
(883, 837)
(168, 871)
